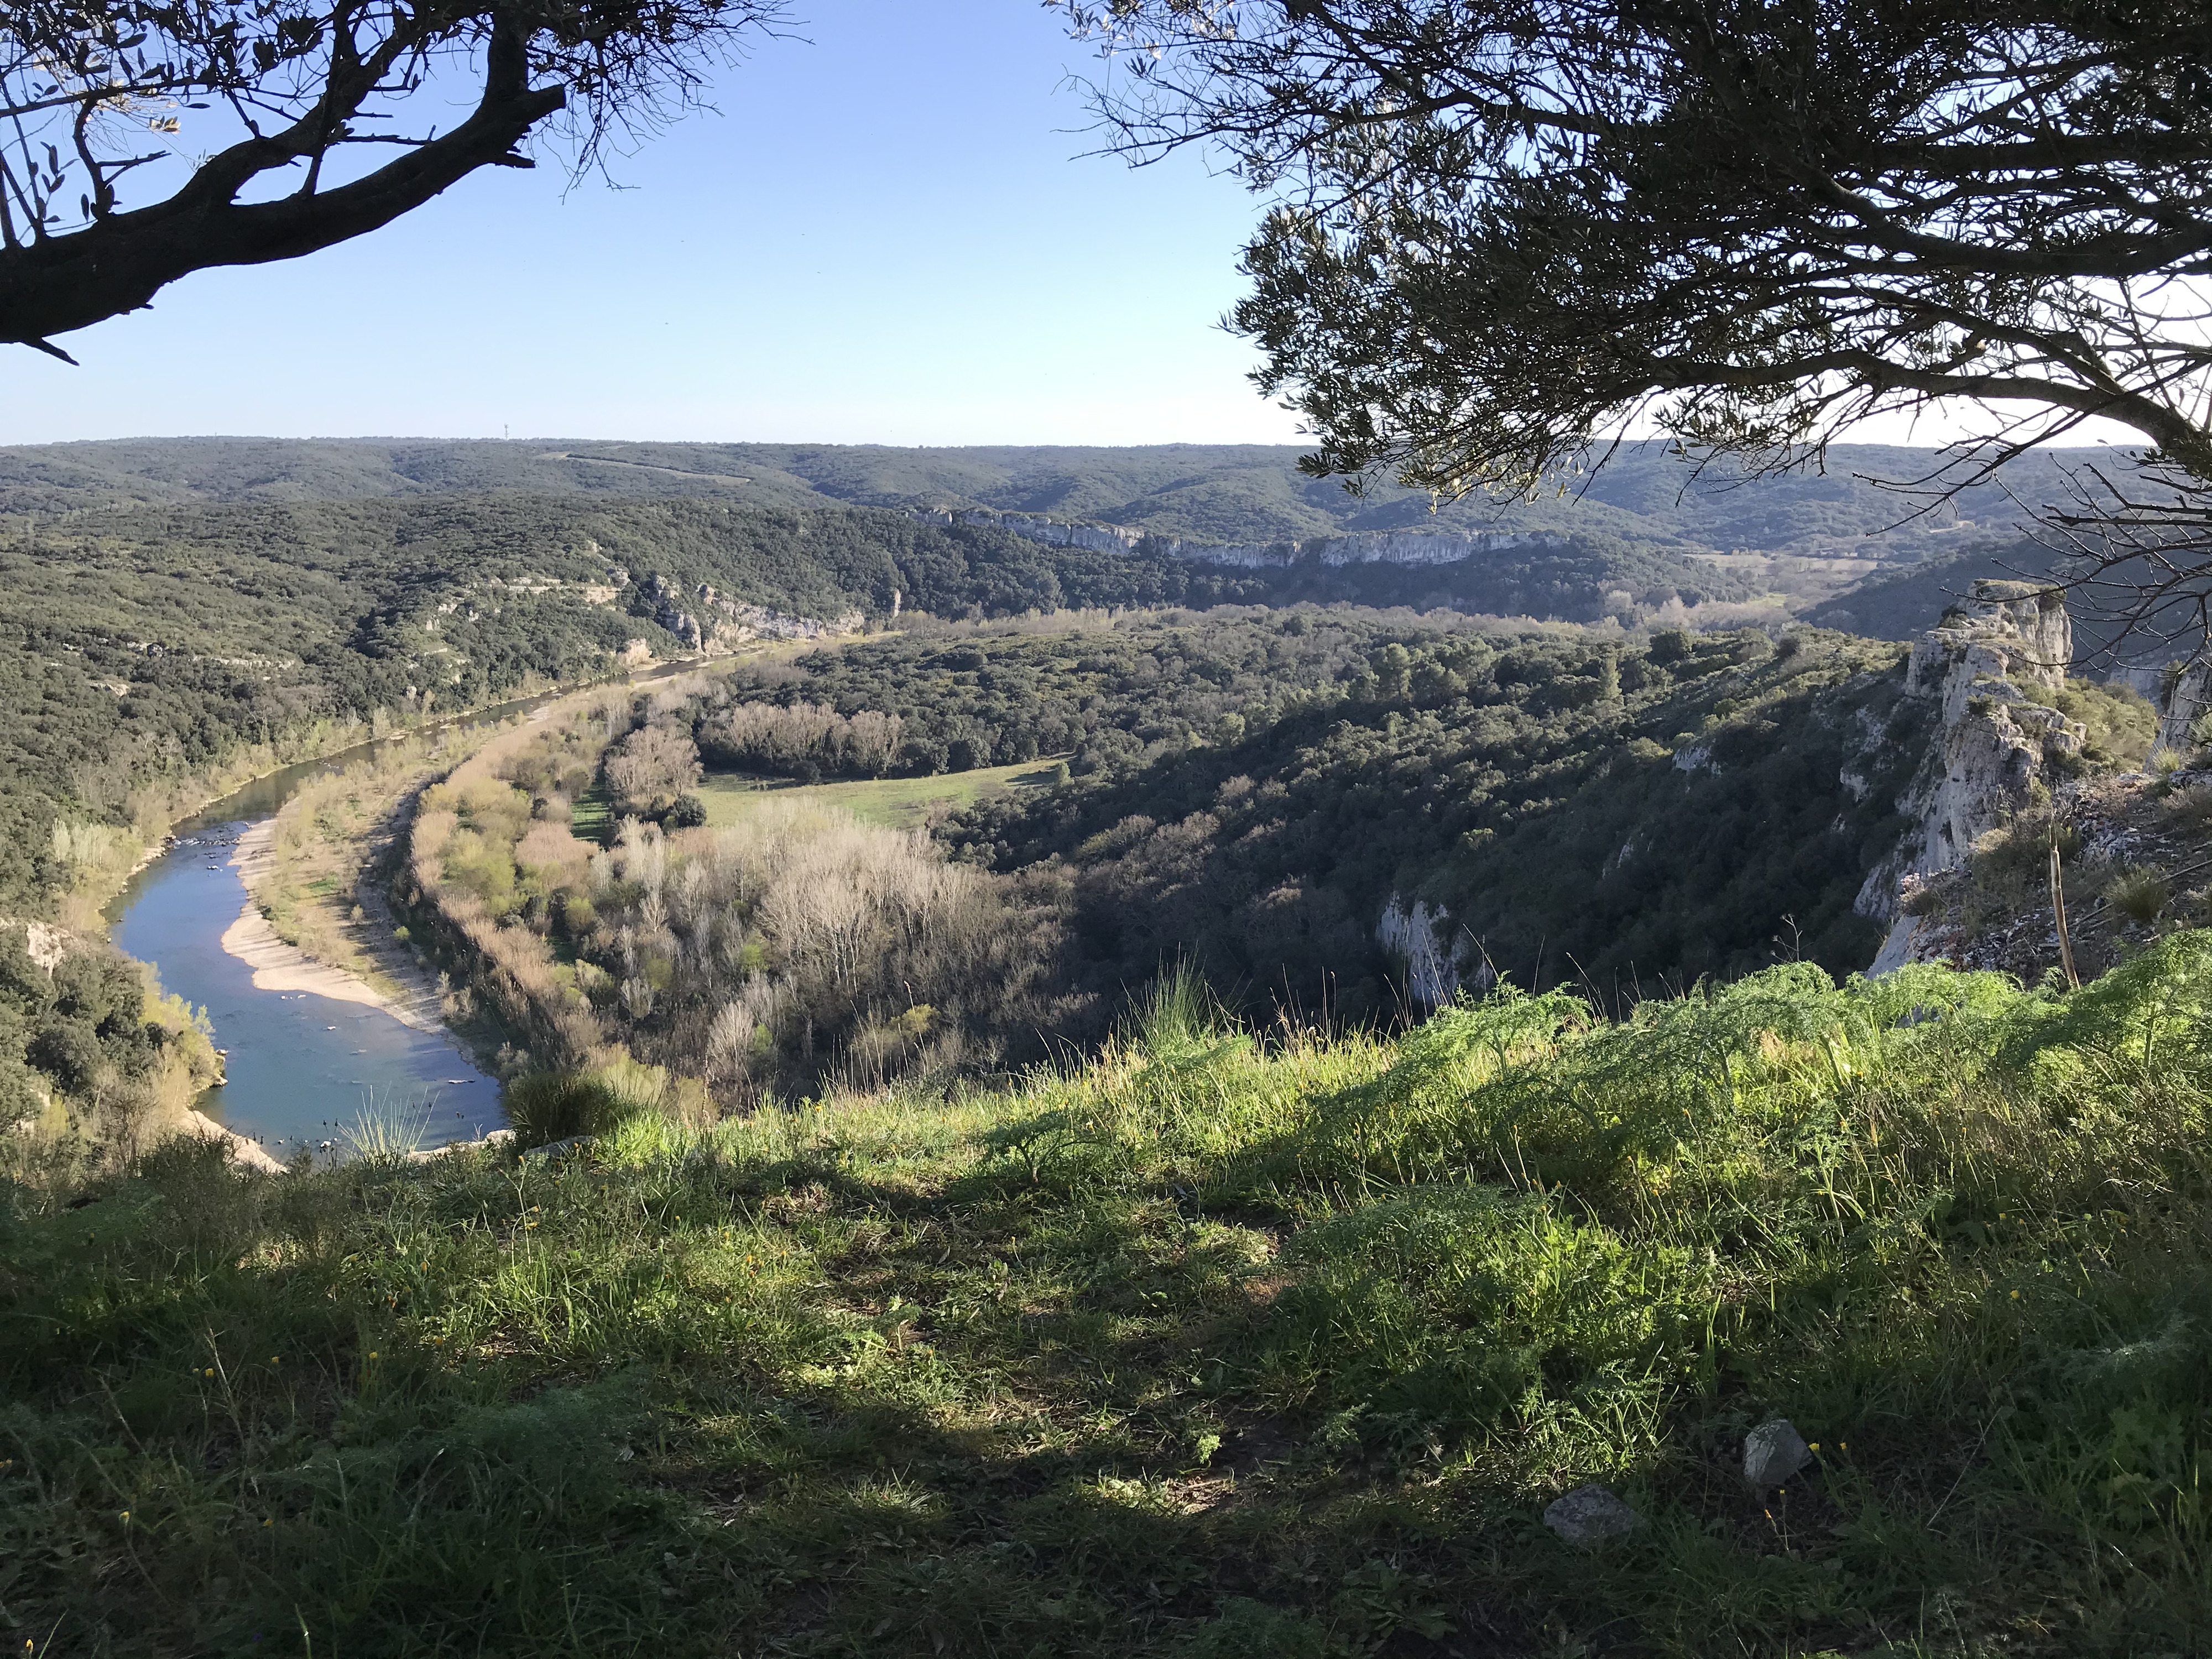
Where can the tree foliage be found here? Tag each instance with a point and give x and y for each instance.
(1573, 813)
(1503, 227)
(142, 649)
(1248, 789)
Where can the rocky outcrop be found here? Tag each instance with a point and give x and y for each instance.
(2182, 694)
(1987, 668)
(705, 620)
(43, 941)
(2113, 824)
(1416, 933)
(1366, 547)
(2186, 699)
(1099, 537)
(1360, 547)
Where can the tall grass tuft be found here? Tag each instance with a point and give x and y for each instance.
(543, 1107)
(2139, 893)
(389, 1129)
(1176, 1016)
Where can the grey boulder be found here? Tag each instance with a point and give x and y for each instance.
(1773, 1452)
(1591, 1515)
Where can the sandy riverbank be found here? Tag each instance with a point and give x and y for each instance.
(278, 966)
(243, 1150)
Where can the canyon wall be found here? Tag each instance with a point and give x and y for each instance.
(1994, 740)
(1357, 547)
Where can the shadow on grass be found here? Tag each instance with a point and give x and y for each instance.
(1053, 1404)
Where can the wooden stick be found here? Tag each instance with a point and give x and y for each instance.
(2058, 910)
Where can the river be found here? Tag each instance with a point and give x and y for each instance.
(300, 1067)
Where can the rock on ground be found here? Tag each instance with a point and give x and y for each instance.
(1591, 1515)
(1773, 1452)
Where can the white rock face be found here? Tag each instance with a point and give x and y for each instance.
(2182, 695)
(1591, 1515)
(45, 943)
(1433, 973)
(1694, 756)
(2181, 699)
(713, 621)
(1991, 743)
(1360, 547)
(1773, 1452)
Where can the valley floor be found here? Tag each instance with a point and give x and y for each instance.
(1213, 1346)
(892, 803)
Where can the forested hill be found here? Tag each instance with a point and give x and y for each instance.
(1248, 791)
(141, 644)
(1216, 493)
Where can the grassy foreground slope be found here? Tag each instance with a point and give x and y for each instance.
(1213, 1347)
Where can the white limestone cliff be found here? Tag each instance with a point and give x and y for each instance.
(712, 621)
(1417, 932)
(1358, 547)
(1993, 742)
(2186, 698)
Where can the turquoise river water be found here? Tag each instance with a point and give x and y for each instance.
(300, 1068)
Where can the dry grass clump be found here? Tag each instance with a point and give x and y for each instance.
(2139, 892)
(2189, 807)
(2008, 870)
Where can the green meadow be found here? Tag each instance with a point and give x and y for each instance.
(1228, 1343)
(890, 803)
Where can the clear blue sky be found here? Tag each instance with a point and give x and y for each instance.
(888, 233)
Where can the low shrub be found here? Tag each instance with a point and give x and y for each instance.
(543, 1107)
(2189, 807)
(2139, 893)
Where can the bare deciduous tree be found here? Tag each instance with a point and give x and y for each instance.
(652, 767)
(327, 118)
(779, 737)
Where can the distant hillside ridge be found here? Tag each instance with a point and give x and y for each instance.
(1227, 495)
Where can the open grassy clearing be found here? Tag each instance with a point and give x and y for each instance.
(892, 803)
(1213, 1347)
